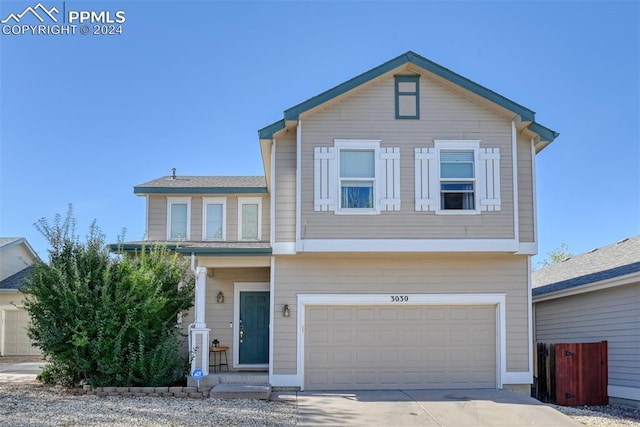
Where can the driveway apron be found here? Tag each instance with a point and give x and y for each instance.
(426, 408)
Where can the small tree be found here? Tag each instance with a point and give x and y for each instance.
(107, 320)
(557, 255)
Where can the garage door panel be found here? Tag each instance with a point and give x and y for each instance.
(16, 340)
(449, 347)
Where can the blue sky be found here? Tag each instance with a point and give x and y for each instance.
(84, 118)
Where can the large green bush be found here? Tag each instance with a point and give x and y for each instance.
(107, 320)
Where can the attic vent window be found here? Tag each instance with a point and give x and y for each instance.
(407, 97)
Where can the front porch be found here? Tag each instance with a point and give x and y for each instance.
(232, 311)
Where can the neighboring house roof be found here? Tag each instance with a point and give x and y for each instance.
(527, 115)
(8, 242)
(16, 281)
(610, 262)
(200, 248)
(4, 241)
(203, 185)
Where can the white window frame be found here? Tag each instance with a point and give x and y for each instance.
(462, 145)
(364, 145)
(214, 201)
(248, 201)
(178, 200)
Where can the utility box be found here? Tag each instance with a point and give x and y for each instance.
(572, 374)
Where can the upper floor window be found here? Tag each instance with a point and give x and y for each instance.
(457, 177)
(357, 179)
(178, 218)
(356, 176)
(249, 218)
(214, 211)
(407, 94)
(457, 180)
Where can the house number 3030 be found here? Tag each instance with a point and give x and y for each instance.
(399, 298)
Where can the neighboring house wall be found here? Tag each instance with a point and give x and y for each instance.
(368, 113)
(609, 314)
(401, 274)
(157, 216)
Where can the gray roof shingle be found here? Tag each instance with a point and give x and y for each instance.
(17, 280)
(206, 182)
(611, 261)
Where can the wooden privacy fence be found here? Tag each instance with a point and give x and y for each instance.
(573, 374)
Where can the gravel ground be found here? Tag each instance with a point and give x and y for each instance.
(30, 404)
(599, 416)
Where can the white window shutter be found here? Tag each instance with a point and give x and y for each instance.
(489, 179)
(389, 178)
(426, 179)
(325, 181)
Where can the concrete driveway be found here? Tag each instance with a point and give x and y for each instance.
(427, 408)
(20, 372)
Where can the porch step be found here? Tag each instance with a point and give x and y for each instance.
(241, 391)
(236, 377)
(244, 378)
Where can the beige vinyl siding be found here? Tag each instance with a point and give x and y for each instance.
(368, 113)
(525, 191)
(285, 190)
(610, 314)
(401, 273)
(158, 216)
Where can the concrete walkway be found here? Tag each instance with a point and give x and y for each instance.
(441, 408)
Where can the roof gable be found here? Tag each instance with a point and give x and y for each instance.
(293, 113)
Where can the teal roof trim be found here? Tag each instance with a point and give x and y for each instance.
(200, 190)
(294, 112)
(268, 131)
(545, 133)
(136, 247)
(225, 251)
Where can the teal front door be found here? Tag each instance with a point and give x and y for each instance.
(254, 328)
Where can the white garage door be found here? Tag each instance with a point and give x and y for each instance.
(390, 347)
(14, 334)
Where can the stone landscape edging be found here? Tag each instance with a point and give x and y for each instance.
(181, 392)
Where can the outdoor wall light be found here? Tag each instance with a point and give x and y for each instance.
(286, 312)
(220, 297)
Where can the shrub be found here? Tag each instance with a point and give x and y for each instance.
(107, 320)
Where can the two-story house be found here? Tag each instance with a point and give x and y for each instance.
(388, 244)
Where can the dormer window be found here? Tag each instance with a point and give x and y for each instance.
(407, 97)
